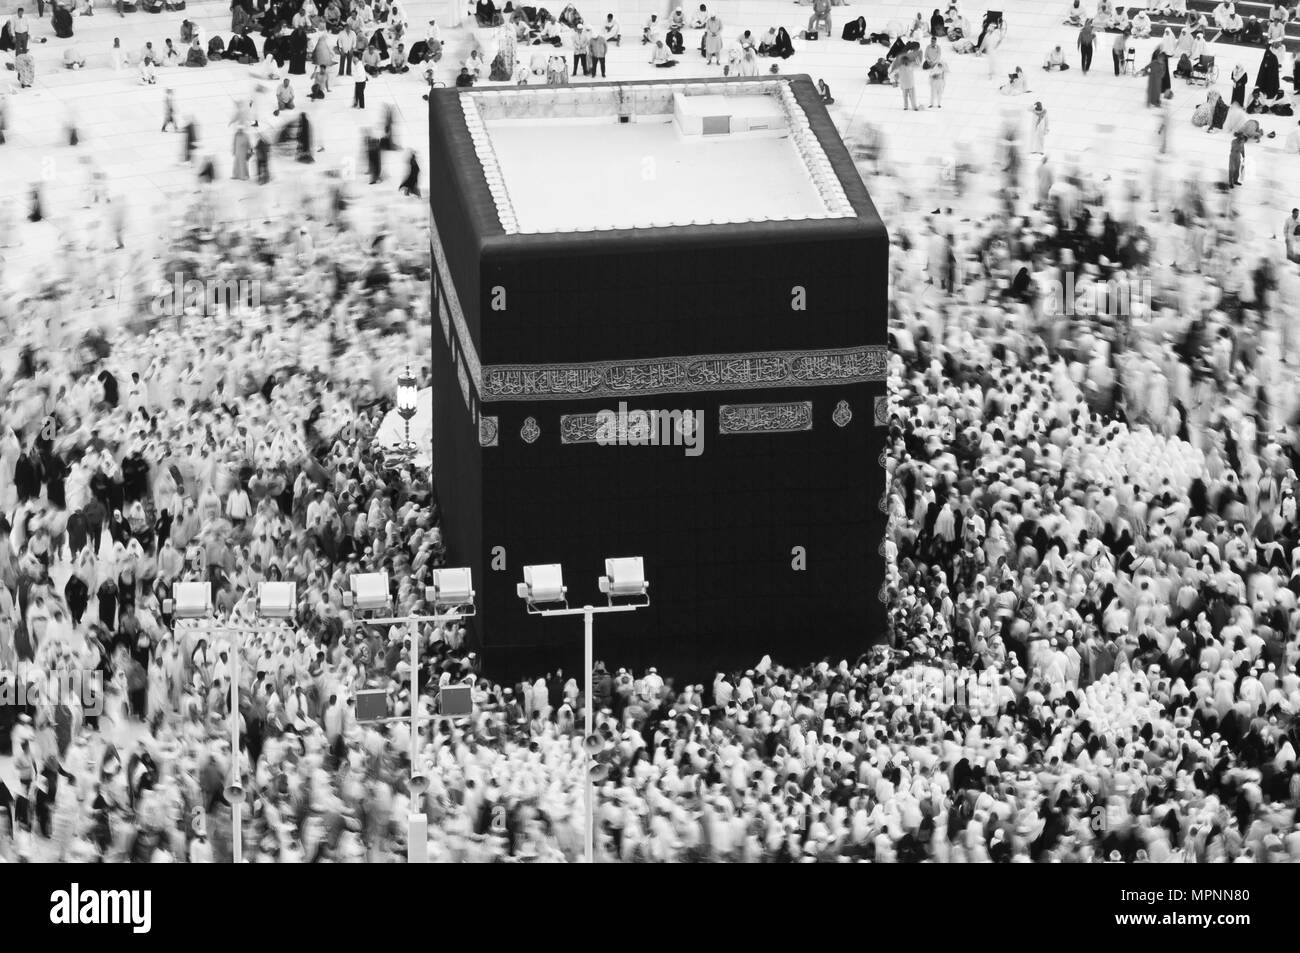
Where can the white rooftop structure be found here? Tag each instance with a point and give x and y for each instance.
(594, 158)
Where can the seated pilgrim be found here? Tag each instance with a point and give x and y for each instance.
(650, 32)
(659, 55)
(73, 58)
(1261, 102)
(613, 30)
(1141, 25)
(1074, 16)
(1234, 27)
(430, 48)
(283, 97)
(783, 47)
(196, 56)
(767, 42)
(485, 13)
(1016, 83)
(570, 17)
(549, 33)
(701, 17)
(397, 62)
(242, 50)
(170, 55)
(1055, 61)
(677, 21)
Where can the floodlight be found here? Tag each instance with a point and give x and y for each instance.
(191, 600)
(542, 585)
(277, 600)
(453, 587)
(369, 591)
(624, 578)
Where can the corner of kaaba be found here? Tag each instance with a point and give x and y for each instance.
(760, 527)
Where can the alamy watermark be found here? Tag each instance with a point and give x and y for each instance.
(651, 428)
(77, 907)
(1091, 297)
(85, 686)
(184, 295)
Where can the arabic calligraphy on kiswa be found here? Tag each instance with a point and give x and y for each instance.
(684, 375)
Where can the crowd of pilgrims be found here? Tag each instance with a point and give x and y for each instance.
(1093, 564)
(1092, 506)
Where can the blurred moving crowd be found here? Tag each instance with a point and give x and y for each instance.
(1092, 556)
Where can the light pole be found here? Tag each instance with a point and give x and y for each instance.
(452, 591)
(544, 586)
(192, 601)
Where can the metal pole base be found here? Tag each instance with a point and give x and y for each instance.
(417, 839)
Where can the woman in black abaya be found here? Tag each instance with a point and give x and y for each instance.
(242, 49)
(298, 52)
(1268, 79)
(62, 20)
(783, 47)
(304, 139)
(1157, 77)
(411, 184)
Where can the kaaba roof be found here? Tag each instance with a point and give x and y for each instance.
(540, 165)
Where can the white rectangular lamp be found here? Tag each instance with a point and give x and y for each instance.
(277, 600)
(624, 577)
(543, 585)
(191, 600)
(369, 591)
(452, 587)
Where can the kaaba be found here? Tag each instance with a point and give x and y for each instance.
(661, 332)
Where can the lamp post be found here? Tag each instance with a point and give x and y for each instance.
(407, 397)
(544, 586)
(192, 601)
(452, 591)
